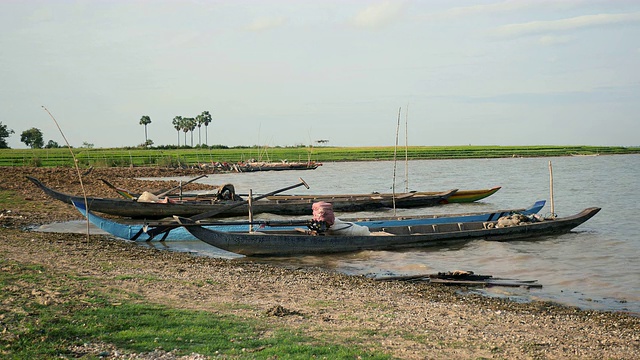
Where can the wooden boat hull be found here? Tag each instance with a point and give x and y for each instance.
(259, 166)
(467, 196)
(269, 244)
(460, 196)
(138, 231)
(146, 210)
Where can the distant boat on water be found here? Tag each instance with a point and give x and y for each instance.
(275, 166)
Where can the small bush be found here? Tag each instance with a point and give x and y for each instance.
(35, 162)
(171, 162)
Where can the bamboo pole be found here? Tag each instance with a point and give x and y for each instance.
(75, 163)
(250, 203)
(406, 150)
(395, 161)
(553, 211)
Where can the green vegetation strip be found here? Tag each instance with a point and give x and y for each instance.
(176, 157)
(45, 315)
(10, 199)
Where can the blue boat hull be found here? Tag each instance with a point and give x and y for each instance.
(138, 231)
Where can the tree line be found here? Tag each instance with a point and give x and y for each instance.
(34, 138)
(189, 124)
(184, 124)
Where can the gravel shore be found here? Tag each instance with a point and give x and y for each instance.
(404, 320)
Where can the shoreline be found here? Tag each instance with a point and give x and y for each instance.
(401, 319)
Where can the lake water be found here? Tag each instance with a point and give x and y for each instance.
(595, 267)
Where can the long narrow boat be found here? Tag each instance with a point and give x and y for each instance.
(275, 166)
(266, 243)
(149, 210)
(467, 196)
(460, 196)
(137, 231)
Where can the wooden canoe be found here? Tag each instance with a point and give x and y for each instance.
(137, 230)
(147, 210)
(467, 196)
(268, 243)
(275, 166)
(460, 196)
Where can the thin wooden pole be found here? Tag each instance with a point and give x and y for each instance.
(250, 203)
(395, 152)
(553, 211)
(406, 150)
(75, 163)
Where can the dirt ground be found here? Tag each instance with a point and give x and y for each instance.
(405, 320)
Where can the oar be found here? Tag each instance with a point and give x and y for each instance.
(161, 229)
(179, 186)
(129, 195)
(213, 213)
(123, 192)
(269, 223)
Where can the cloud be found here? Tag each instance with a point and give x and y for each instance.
(554, 40)
(41, 14)
(540, 27)
(505, 6)
(263, 24)
(379, 15)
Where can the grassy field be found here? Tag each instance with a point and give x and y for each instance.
(49, 319)
(192, 156)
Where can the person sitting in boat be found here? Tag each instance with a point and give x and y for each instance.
(323, 213)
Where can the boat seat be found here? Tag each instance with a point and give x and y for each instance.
(441, 228)
(421, 229)
(472, 226)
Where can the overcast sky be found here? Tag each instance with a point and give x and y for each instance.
(272, 73)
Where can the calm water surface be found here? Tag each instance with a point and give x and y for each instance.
(594, 267)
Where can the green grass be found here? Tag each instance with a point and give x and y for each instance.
(190, 156)
(82, 312)
(10, 199)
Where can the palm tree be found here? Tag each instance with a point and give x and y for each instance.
(191, 125)
(199, 121)
(185, 128)
(177, 124)
(206, 120)
(145, 120)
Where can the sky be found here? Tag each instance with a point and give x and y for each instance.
(353, 73)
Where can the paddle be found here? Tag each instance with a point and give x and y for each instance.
(179, 186)
(186, 222)
(129, 195)
(269, 223)
(122, 192)
(161, 229)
